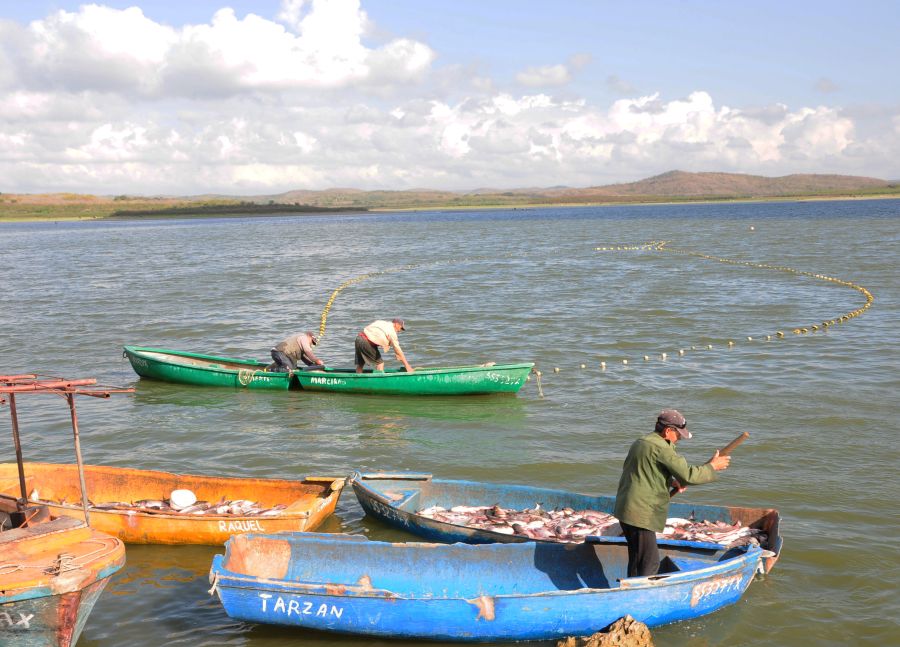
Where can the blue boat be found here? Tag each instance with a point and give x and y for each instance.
(396, 499)
(462, 592)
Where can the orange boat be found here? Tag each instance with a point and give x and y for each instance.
(52, 572)
(52, 568)
(113, 493)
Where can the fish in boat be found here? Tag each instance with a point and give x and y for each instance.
(459, 592)
(568, 525)
(277, 505)
(401, 500)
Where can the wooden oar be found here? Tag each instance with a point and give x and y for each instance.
(725, 451)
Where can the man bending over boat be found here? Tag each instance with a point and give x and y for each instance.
(293, 350)
(642, 502)
(379, 334)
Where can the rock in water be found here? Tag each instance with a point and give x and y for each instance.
(624, 632)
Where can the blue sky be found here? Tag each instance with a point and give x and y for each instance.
(261, 97)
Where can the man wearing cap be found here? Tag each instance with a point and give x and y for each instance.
(290, 352)
(379, 334)
(642, 501)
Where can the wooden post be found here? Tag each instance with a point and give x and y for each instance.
(15, 429)
(84, 499)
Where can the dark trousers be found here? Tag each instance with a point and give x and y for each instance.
(284, 363)
(643, 554)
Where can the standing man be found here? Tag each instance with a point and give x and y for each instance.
(379, 334)
(642, 502)
(290, 352)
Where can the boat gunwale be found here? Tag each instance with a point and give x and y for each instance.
(222, 576)
(351, 373)
(141, 351)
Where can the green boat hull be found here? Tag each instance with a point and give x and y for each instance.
(181, 367)
(455, 380)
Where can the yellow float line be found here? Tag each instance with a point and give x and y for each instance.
(790, 270)
(346, 284)
(324, 318)
(661, 246)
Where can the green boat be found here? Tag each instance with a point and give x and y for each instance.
(203, 370)
(453, 380)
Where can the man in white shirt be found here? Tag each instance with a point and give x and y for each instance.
(379, 334)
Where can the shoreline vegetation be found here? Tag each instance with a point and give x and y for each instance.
(674, 187)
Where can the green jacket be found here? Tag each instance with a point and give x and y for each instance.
(643, 497)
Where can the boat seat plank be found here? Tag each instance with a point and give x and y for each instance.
(59, 524)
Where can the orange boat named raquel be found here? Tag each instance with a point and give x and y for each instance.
(134, 505)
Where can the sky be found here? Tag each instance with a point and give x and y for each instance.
(259, 97)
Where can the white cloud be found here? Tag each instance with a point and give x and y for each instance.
(122, 51)
(553, 75)
(504, 141)
(545, 75)
(108, 101)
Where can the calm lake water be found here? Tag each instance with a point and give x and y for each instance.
(503, 286)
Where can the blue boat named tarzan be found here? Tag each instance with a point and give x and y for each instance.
(462, 592)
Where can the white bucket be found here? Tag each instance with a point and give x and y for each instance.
(179, 499)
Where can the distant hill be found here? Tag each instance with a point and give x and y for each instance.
(683, 184)
(674, 186)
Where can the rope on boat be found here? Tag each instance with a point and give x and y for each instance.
(537, 377)
(64, 562)
(215, 584)
(245, 376)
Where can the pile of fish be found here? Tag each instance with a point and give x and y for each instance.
(237, 507)
(716, 532)
(566, 525)
(569, 525)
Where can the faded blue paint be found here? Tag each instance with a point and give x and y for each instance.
(39, 618)
(460, 592)
(395, 499)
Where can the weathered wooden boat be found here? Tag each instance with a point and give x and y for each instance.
(183, 367)
(396, 499)
(454, 380)
(51, 574)
(114, 489)
(52, 569)
(461, 592)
